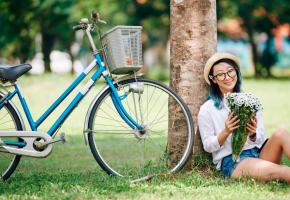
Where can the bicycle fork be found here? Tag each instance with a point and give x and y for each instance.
(138, 129)
(117, 101)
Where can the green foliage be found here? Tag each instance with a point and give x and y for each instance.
(158, 72)
(17, 32)
(257, 17)
(21, 21)
(260, 15)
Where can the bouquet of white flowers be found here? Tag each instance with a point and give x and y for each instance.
(245, 105)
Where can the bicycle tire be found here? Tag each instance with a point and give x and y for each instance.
(100, 145)
(9, 161)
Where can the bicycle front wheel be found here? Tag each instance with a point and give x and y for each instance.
(119, 150)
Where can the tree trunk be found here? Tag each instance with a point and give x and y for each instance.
(193, 31)
(253, 45)
(268, 57)
(47, 45)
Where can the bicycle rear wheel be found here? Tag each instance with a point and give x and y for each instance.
(9, 120)
(119, 150)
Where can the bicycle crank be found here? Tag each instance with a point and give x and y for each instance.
(29, 139)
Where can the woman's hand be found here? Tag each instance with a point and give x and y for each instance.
(232, 123)
(252, 127)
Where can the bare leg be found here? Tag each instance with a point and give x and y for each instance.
(262, 170)
(277, 144)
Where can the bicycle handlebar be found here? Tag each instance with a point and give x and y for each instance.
(77, 27)
(84, 22)
(88, 27)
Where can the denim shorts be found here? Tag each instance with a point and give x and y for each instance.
(228, 164)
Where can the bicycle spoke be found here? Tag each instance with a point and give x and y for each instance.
(7, 129)
(109, 125)
(136, 153)
(111, 116)
(112, 131)
(159, 131)
(147, 105)
(153, 92)
(111, 119)
(154, 143)
(6, 122)
(135, 108)
(155, 103)
(126, 100)
(4, 116)
(140, 106)
(114, 110)
(158, 122)
(158, 119)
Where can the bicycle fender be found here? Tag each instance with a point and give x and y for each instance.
(86, 124)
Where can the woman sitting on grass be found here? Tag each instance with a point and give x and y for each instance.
(260, 158)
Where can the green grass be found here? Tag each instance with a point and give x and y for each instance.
(71, 172)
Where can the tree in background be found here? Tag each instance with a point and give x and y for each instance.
(153, 15)
(17, 31)
(193, 38)
(52, 21)
(257, 17)
(22, 21)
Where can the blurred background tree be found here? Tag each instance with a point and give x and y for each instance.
(257, 17)
(23, 20)
(51, 19)
(32, 26)
(17, 32)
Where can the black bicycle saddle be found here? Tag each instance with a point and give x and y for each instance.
(11, 73)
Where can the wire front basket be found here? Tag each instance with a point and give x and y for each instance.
(123, 49)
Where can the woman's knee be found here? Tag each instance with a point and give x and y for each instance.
(261, 170)
(280, 134)
(281, 172)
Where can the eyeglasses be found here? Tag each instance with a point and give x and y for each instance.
(222, 76)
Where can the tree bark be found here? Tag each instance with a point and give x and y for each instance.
(193, 39)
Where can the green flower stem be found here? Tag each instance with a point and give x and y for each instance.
(239, 136)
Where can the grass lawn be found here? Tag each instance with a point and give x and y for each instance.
(71, 172)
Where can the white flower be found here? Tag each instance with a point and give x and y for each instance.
(245, 101)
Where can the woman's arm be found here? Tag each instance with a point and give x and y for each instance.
(212, 141)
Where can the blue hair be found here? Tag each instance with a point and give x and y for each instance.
(217, 101)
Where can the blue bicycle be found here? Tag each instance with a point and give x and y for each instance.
(131, 124)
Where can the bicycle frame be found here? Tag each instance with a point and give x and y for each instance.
(101, 71)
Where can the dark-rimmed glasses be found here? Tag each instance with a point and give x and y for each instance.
(222, 76)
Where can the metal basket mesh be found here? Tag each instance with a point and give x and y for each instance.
(123, 49)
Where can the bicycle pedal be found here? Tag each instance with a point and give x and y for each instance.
(60, 139)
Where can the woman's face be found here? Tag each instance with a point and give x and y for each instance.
(225, 76)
